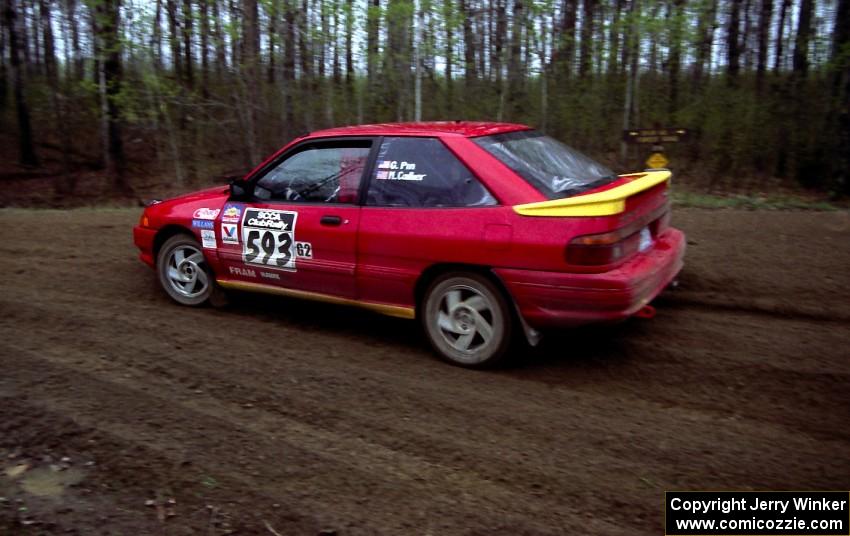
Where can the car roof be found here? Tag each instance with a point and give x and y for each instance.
(425, 128)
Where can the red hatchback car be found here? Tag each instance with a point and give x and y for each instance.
(483, 231)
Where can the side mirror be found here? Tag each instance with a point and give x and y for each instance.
(237, 189)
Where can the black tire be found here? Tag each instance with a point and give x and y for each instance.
(183, 271)
(467, 320)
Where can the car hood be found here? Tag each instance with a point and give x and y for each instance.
(181, 209)
(213, 192)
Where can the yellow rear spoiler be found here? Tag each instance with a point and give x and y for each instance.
(605, 203)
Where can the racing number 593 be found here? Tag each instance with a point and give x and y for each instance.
(271, 248)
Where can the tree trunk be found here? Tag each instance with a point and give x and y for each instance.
(26, 150)
(272, 7)
(470, 73)
(306, 57)
(674, 60)
(188, 27)
(288, 67)
(780, 35)
(4, 75)
(109, 50)
(746, 49)
(173, 39)
(417, 60)
(71, 16)
(765, 15)
(705, 37)
(498, 42)
(249, 75)
(515, 81)
(205, 48)
(586, 45)
(614, 39)
(47, 41)
(841, 91)
(373, 23)
(156, 38)
(801, 43)
(631, 44)
(564, 55)
(220, 47)
(733, 49)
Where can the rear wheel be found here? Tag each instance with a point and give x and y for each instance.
(183, 271)
(467, 320)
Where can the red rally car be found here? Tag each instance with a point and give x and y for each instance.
(483, 231)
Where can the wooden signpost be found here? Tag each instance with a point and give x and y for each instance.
(656, 137)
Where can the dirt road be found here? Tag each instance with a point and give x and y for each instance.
(121, 413)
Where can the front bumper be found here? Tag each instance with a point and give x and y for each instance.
(558, 299)
(143, 238)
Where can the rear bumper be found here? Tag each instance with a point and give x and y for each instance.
(558, 299)
(143, 238)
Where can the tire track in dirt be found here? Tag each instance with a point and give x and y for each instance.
(260, 431)
(597, 449)
(581, 437)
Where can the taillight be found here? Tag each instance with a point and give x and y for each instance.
(602, 249)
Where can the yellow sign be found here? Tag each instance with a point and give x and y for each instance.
(657, 161)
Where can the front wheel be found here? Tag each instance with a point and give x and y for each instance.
(467, 320)
(183, 271)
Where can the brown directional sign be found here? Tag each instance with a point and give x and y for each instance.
(655, 136)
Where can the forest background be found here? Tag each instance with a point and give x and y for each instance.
(109, 97)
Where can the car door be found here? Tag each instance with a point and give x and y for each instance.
(423, 206)
(298, 229)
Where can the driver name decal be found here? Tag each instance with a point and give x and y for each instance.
(268, 238)
(393, 170)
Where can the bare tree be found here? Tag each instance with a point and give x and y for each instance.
(765, 15)
(108, 46)
(27, 156)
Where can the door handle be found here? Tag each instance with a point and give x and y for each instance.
(331, 220)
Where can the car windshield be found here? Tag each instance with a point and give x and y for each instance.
(556, 170)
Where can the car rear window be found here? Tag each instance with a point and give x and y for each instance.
(554, 169)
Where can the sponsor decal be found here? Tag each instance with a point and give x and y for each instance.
(231, 212)
(268, 238)
(202, 224)
(304, 250)
(244, 272)
(206, 213)
(269, 275)
(393, 170)
(208, 239)
(229, 234)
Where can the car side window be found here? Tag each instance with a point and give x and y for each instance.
(317, 174)
(422, 172)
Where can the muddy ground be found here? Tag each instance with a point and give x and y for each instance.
(121, 413)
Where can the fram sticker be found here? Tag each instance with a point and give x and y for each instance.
(208, 238)
(231, 212)
(206, 213)
(268, 238)
(202, 224)
(229, 234)
(244, 272)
